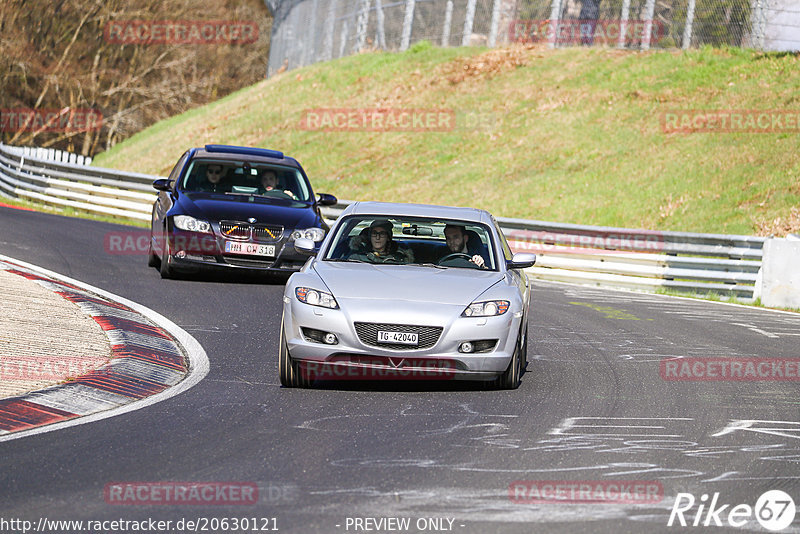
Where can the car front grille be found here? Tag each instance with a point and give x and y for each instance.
(243, 231)
(368, 334)
(263, 232)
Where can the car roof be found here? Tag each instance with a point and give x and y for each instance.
(261, 155)
(389, 209)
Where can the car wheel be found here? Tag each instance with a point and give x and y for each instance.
(166, 270)
(288, 369)
(152, 259)
(511, 376)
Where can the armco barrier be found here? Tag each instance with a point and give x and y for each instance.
(618, 257)
(92, 189)
(634, 259)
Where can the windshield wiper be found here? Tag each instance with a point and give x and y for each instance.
(340, 260)
(431, 265)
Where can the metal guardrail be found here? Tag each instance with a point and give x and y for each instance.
(92, 189)
(635, 259)
(52, 154)
(597, 255)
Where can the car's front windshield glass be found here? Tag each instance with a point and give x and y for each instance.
(413, 241)
(245, 178)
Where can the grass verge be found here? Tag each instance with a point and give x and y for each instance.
(571, 135)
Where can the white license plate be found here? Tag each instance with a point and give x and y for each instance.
(252, 249)
(403, 338)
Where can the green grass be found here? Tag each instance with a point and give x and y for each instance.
(717, 297)
(569, 135)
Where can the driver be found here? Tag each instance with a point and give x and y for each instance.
(457, 237)
(269, 182)
(381, 247)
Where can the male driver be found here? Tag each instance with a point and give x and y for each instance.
(269, 182)
(457, 238)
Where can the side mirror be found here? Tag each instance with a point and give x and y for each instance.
(325, 199)
(162, 184)
(521, 260)
(305, 246)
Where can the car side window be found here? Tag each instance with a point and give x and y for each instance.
(507, 253)
(173, 175)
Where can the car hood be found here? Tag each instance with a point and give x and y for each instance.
(219, 207)
(405, 282)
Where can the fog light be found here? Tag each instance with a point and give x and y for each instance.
(180, 254)
(330, 339)
(465, 347)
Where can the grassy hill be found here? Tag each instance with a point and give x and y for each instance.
(571, 135)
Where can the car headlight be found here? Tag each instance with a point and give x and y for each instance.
(487, 308)
(185, 222)
(314, 234)
(315, 298)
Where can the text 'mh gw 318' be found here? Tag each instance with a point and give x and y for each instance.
(407, 291)
(229, 207)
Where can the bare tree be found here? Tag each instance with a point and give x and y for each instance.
(54, 56)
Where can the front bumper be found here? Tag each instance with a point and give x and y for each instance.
(192, 251)
(352, 358)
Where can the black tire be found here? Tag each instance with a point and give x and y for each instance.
(152, 259)
(511, 377)
(288, 369)
(166, 271)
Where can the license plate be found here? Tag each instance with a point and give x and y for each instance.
(403, 338)
(252, 249)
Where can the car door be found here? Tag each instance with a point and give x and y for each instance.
(515, 277)
(164, 202)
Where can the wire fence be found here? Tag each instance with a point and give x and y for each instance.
(308, 31)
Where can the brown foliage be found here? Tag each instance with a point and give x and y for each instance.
(53, 55)
(780, 226)
(490, 63)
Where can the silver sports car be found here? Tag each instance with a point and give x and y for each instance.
(407, 291)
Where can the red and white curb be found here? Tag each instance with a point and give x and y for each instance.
(152, 359)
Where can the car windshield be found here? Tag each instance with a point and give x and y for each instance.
(245, 178)
(401, 240)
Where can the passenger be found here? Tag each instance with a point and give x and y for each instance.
(269, 182)
(457, 239)
(213, 180)
(380, 247)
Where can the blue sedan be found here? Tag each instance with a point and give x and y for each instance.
(228, 207)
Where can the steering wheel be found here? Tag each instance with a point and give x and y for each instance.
(455, 255)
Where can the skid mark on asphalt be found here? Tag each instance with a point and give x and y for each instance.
(609, 312)
(776, 324)
(468, 505)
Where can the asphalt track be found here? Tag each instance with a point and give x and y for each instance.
(592, 407)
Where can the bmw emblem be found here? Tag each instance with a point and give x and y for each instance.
(251, 220)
